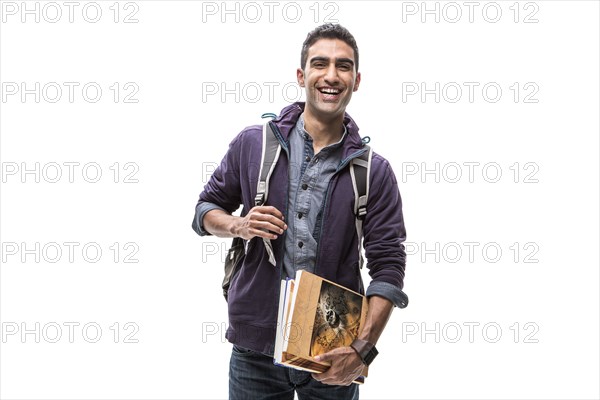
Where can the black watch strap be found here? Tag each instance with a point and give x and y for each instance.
(366, 350)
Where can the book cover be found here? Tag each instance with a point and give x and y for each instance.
(315, 317)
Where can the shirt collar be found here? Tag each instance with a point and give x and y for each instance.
(306, 136)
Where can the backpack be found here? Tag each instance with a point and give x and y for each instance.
(271, 149)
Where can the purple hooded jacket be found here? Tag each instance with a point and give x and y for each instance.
(254, 292)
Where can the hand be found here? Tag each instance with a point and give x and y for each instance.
(346, 366)
(263, 221)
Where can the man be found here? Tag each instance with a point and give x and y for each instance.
(310, 222)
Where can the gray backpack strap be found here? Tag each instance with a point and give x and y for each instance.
(270, 154)
(360, 168)
(271, 149)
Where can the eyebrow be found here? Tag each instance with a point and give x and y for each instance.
(337, 60)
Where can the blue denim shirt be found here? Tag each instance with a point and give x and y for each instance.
(309, 175)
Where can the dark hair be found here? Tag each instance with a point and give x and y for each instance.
(328, 31)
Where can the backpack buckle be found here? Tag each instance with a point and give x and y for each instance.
(362, 208)
(362, 212)
(259, 199)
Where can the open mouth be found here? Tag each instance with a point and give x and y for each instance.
(330, 93)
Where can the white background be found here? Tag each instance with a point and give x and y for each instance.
(547, 311)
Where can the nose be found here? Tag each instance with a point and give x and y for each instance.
(331, 75)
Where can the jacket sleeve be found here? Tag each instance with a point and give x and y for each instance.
(223, 188)
(384, 234)
(201, 209)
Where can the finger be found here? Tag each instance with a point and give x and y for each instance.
(322, 357)
(266, 226)
(336, 380)
(330, 381)
(261, 233)
(322, 377)
(327, 357)
(257, 216)
(270, 210)
(276, 221)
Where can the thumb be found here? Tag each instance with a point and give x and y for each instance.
(327, 356)
(323, 357)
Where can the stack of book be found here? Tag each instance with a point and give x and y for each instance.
(316, 316)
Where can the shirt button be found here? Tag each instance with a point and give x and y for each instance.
(299, 215)
(307, 158)
(304, 186)
(300, 244)
(316, 160)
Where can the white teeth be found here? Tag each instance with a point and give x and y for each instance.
(330, 91)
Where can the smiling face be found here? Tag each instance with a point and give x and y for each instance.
(329, 78)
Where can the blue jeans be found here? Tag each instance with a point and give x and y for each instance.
(253, 376)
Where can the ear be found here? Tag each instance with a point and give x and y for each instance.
(356, 82)
(300, 77)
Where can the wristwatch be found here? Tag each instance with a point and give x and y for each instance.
(366, 350)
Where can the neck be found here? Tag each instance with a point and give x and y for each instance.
(323, 131)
